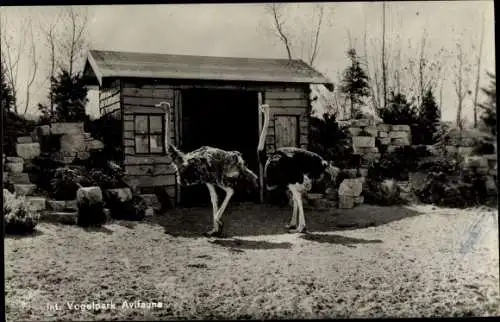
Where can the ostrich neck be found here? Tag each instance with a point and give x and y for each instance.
(263, 134)
(178, 157)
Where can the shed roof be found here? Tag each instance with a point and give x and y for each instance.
(106, 64)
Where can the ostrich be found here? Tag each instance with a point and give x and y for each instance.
(212, 167)
(294, 169)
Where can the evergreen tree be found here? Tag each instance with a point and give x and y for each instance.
(429, 118)
(69, 96)
(6, 96)
(354, 83)
(399, 111)
(329, 139)
(489, 115)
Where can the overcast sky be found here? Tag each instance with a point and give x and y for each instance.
(242, 30)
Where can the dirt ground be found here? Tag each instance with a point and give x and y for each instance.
(364, 262)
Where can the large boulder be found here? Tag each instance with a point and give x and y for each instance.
(22, 178)
(95, 145)
(90, 206)
(24, 189)
(72, 143)
(363, 141)
(152, 201)
(39, 132)
(351, 187)
(24, 139)
(14, 167)
(28, 151)
(66, 128)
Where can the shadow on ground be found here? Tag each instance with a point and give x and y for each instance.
(98, 230)
(338, 239)
(20, 235)
(250, 219)
(250, 244)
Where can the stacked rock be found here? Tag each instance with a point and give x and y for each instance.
(72, 141)
(393, 136)
(350, 193)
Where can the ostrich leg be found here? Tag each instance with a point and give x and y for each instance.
(223, 206)
(217, 222)
(293, 221)
(297, 196)
(214, 200)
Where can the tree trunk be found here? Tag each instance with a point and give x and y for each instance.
(478, 74)
(384, 71)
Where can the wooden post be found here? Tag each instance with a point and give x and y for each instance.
(261, 169)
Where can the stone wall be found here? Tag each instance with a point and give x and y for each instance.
(371, 138)
(61, 142)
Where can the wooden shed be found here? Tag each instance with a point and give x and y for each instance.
(213, 101)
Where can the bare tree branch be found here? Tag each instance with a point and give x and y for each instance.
(11, 56)
(278, 20)
(316, 37)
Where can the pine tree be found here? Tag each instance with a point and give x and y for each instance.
(489, 115)
(355, 82)
(7, 98)
(69, 96)
(429, 118)
(399, 110)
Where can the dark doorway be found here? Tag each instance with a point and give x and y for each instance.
(225, 119)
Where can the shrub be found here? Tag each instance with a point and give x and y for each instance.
(330, 140)
(398, 163)
(133, 209)
(489, 108)
(18, 215)
(448, 185)
(382, 192)
(65, 183)
(91, 213)
(103, 179)
(484, 148)
(108, 130)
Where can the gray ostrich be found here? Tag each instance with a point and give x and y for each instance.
(212, 167)
(294, 169)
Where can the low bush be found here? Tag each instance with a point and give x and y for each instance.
(398, 163)
(449, 185)
(65, 183)
(91, 213)
(378, 190)
(18, 215)
(132, 209)
(103, 179)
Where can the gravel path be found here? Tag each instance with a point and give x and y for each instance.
(435, 262)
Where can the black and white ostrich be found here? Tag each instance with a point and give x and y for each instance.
(213, 167)
(294, 169)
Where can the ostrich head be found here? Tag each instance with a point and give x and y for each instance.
(264, 108)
